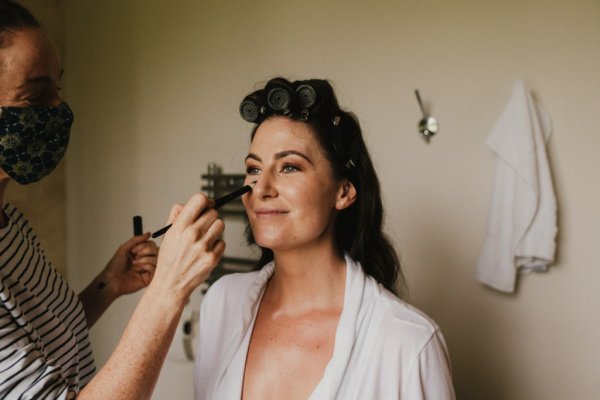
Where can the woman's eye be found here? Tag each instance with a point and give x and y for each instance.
(252, 171)
(34, 100)
(42, 96)
(289, 168)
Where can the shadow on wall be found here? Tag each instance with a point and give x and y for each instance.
(472, 331)
(484, 328)
(104, 134)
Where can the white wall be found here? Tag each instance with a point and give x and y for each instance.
(156, 86)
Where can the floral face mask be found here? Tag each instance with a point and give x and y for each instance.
(33, 140)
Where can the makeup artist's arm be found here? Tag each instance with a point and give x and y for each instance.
(129, 270)
(188, 253)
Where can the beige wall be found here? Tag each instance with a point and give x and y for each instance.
(44, 202)
(156, 85)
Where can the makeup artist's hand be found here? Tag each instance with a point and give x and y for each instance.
(132, 266)
(129, 270)
(190, 249)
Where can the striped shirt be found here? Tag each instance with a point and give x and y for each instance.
(45, 351)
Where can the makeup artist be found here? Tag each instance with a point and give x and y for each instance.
(321, 317)
(44, 346)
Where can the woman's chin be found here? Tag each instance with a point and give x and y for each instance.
(269, 244)
(272, 241)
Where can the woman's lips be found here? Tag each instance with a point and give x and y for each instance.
(267, 212)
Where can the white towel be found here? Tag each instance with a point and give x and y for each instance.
(522, 221)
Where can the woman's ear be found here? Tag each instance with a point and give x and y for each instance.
(346, 196)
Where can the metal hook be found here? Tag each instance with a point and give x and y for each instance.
(428, 125)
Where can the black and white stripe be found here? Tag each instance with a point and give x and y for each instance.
(45, 351)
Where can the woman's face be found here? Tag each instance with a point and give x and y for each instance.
(295, 199)
(30, 70)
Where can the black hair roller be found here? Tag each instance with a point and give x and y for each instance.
(252, 108)
(280, 96)
(313, 95)
(307, 94)
(308, 97)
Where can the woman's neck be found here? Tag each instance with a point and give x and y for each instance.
(305, 280)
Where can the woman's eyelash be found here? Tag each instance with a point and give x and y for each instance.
(40, 97)
(251, 170)
(290, 168)
(34, 99)
(286, 168)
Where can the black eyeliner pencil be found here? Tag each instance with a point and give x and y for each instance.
(137, 226)
(220, 202)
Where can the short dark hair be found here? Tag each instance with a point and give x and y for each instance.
(14, 17)
(358, 229)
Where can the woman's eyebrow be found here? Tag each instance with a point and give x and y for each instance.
(253, 157)
(280, 155)
(43, 79)
(46, 80)
(286, 153)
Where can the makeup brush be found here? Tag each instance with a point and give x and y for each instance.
(220, 202)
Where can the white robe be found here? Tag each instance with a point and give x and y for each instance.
(384, 348)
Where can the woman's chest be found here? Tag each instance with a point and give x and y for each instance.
(287, 355)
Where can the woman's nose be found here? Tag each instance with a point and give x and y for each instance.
(264, 186)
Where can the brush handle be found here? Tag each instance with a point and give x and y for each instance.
(220, 202)
(161, 231)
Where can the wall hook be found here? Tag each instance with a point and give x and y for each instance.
(428, 125)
